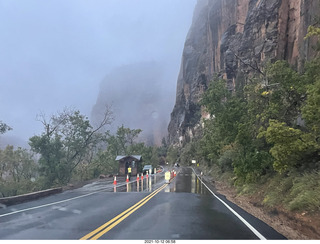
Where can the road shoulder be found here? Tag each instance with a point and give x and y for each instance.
(293, 226)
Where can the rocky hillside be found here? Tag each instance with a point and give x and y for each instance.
(235, 39)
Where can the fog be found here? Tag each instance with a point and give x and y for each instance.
(141, 98)
(55, 54)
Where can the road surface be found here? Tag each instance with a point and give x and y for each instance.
(152, 209)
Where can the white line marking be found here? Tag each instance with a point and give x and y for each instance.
(62, 201)
(257, 233)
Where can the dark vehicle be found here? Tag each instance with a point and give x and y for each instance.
(147, 168)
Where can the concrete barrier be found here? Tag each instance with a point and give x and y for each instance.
(29, 196)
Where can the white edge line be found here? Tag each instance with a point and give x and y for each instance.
(257, 233)
(62, 201)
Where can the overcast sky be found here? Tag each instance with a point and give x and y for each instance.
(55, 53)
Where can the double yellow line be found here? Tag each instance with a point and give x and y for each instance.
(97, 233)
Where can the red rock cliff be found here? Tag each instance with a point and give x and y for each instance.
(235, 38)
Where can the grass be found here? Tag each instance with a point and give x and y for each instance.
(305, 193)
(294, 191)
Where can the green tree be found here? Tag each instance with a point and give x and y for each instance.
(285, 93)
(172, 155)
(4, 127)
(18, 171)
(311, 111)
(123, 142)
(66, 142)
(227, 113)
(314, 31)
(291, 147)
(163, 149)
(215, 96)
(52, 164)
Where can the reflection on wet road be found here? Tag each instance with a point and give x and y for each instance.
(147, 184)
(187, 182)
(184, 209)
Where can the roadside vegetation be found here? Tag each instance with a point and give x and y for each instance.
(265, 135)
(70, 149)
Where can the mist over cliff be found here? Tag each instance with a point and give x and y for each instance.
(235, 39)
(141, 98)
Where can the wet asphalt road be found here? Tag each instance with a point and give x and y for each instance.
(183, 209)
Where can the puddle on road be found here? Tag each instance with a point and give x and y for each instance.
(187, 181)
(141, 185)
(196, 186)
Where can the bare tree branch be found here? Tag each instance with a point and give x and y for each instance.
(248, 64)
(106, 118)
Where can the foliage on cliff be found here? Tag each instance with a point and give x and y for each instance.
(269, 127)
(272, 126)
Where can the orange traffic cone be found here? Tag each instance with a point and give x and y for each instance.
(137, 176)
(127, 178)
(174, 173)
(115, 180)
(142, 176)
(147, 175)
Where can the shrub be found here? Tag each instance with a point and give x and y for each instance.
(305, 193)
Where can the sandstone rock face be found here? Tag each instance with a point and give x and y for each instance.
(235, 38)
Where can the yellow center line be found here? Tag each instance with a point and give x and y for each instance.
(116, 220)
